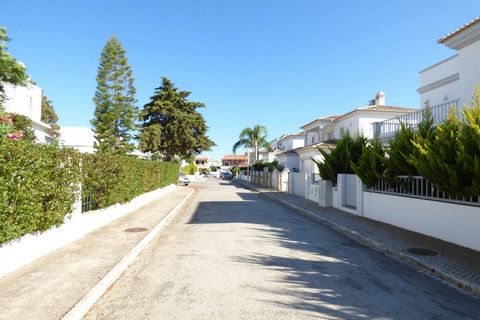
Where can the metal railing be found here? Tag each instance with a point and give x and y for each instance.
(421, 188)
(393, 125)
(88, 203)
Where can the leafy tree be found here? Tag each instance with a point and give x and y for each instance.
(115, 113)
(340, 158)
(171, 125)
(190, 169)
(50, 117)
(255, 138)
(371, 164)
(11, 71)
(23, 124)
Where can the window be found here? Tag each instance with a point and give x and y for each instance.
(313, 139)
(342, 131)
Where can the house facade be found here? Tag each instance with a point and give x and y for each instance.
(231, 160)
(447, 83)
(284, 150)
(323, 132)
(202, 162)
(27, 100)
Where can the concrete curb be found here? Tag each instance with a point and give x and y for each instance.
(79, 310)
(457, 282)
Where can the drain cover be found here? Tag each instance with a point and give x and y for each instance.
(423, 252)
(135, 229)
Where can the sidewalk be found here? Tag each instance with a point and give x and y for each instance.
(50, 286)
(458, 265)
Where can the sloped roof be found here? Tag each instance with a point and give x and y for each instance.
(234, 157)
(458, 30)
(380, 108)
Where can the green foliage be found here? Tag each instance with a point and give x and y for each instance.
(115, 112)
(437, 159)
(213, 168)
(235, 171)
(468, 156)
(399, 152)
(255, 138)
(260, 166)
(171, 124)
(371, 164)
(50, 117)
(340, 158)
(190, 169)
(110, 179)
(11, 71)
(38, 187)
(24, 124)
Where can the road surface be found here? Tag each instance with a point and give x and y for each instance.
(233, 254)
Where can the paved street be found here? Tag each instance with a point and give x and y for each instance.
(233, 254)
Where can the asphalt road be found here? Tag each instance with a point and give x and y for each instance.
(233, 254)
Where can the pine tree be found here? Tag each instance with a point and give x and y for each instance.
(115, 113)
(171, 125)
(50, 117)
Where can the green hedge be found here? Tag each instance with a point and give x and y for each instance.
(38, 184)
(109, 179)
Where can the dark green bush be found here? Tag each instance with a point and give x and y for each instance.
(38, 186)
(371, 164)
(340, 158)
(109, 179)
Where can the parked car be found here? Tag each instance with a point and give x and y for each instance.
(183, 179)
(226, 176)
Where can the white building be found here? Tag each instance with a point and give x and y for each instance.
(286, 146)
(80, 138)
(323, 132)
(449, 82)
(27, 101)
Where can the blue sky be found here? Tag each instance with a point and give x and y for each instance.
(273, 62)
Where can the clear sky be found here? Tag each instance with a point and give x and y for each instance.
(273, 62)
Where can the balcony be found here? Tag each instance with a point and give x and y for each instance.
(388, 128)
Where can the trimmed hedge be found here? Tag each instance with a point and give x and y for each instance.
(109, 179)
(38, 187)
(39, 183)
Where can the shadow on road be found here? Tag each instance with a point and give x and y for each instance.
(331, 275)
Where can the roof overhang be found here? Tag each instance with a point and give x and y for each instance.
(463, 36)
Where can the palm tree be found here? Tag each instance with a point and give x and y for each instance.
(255, 138)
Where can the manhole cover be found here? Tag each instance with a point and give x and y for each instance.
(136, 229)
(423, 252)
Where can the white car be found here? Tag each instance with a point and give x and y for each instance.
(183, 179)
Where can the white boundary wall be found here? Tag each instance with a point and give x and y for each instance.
(30, 247)
(454, 223)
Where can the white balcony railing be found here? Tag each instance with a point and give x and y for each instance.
(391, 126)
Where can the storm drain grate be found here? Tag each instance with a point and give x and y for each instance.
(423, 252)
(135, 229)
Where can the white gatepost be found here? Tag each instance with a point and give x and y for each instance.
(359, 197)
(275, 185)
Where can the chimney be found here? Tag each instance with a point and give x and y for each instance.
(380, 98)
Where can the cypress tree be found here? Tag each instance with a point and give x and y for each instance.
(115, 112)
(171, 125)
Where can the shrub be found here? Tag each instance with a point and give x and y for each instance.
(371, 164)
(24, 124)
(340, 158)
(38, 187)
(191, 169)
(109, 179)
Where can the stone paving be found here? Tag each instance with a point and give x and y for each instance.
(458, 265)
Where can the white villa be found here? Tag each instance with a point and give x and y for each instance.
(447, 83)
(324, 131)
(27, 101)
(284, 150)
